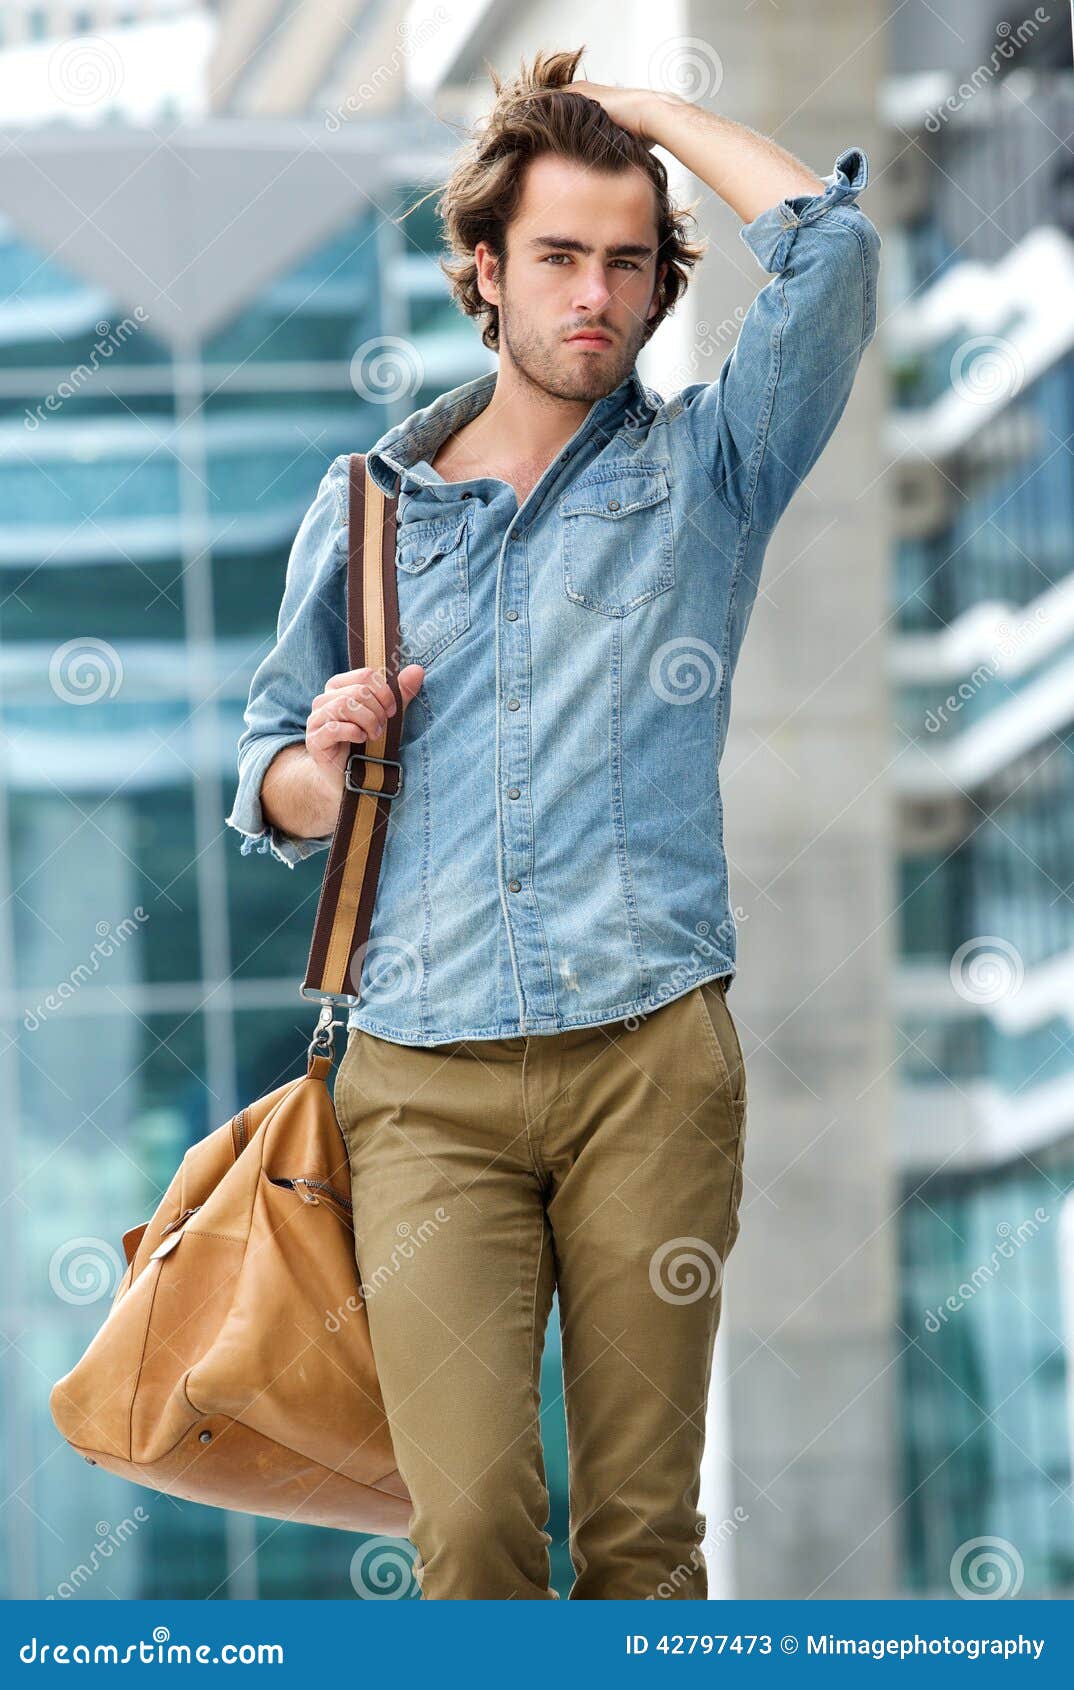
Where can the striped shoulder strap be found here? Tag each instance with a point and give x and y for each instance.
(374, 774)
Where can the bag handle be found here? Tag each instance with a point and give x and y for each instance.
(345, 906)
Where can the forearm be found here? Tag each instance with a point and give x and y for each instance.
(299, 796)
(749, 171)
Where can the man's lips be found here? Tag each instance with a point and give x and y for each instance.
(591, 337)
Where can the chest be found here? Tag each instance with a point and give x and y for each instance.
(520, 475)
(601, 552)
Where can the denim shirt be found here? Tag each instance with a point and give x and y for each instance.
(556, 858)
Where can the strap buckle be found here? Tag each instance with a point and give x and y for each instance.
(373, 791)
(322, 1042)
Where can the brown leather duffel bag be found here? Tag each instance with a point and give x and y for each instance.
(234, 1366)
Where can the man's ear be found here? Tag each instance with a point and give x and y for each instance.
(654, 303)
(487, 286)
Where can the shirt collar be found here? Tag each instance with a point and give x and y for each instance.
(421, 435)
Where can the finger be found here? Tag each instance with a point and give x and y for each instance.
(346, 678)
(350, 700)
(367, 713)
(364, 683)
(351, 678)
(410, 680)
(345, 708)
(323, 740)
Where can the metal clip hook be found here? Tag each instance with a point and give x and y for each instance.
(322, 1042)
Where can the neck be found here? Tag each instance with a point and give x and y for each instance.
(521, 424)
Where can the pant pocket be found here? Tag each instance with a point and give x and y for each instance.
(722, 1040)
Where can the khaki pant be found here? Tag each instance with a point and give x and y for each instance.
(607, 1162)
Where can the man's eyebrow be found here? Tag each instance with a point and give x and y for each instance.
(564, 243)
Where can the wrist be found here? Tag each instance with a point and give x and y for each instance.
(332, 776)
(658, 114)
(326, 794)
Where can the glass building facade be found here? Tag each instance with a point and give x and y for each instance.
(984, 655)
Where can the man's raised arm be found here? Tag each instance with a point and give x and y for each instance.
(762, 424)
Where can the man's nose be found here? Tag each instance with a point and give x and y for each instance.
(592, 293)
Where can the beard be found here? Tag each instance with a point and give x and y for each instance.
(548, 365)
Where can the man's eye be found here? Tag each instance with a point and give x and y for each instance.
(566, 255)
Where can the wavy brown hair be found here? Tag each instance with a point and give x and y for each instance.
(534, 115)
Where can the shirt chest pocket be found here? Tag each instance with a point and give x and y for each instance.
(618, 544)
(433, 583)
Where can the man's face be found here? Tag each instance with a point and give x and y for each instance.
(581, 255)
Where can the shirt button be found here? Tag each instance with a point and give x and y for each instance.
(513, 792)
(511, 615)
(466, 495)
(613, 504)
(513, 704)
(515, 885)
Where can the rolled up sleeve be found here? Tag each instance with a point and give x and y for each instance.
(311, 645)
(762, 424)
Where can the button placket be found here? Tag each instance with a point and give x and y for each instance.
(516, 842)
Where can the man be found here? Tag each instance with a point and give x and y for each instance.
(543, 1057)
